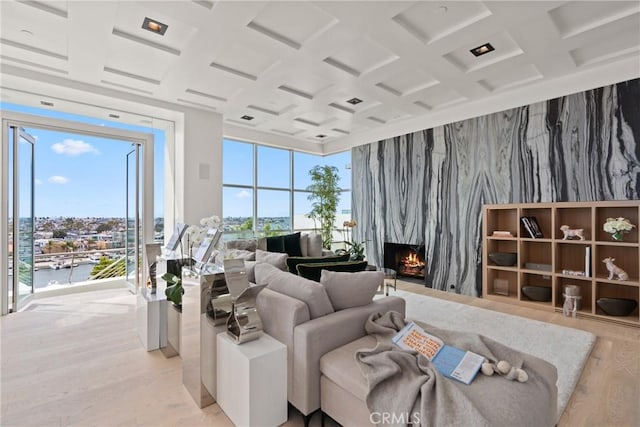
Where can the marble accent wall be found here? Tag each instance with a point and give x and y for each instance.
(429, 186)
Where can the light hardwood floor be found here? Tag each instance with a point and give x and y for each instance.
(76, 361)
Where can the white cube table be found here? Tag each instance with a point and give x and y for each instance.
(252, 381)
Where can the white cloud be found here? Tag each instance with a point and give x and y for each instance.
(57, 179)
(243, 194)
(73, 147)
(38, 181)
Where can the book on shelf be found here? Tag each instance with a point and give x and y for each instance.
(500, 233)
(587, 261)
(450, 361)
(532, 227)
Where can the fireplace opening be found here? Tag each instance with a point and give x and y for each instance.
(406, 260)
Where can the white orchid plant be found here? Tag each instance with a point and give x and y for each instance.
(195, 234)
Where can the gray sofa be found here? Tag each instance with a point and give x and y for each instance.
(307, 332)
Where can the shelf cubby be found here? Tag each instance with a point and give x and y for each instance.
(503, 283)
(534, 279)
(535, 252)
(543, 218)
(609, 290)
(628, 212)
(625, 258)
(575, 217)
(586, 302)
(503, 220)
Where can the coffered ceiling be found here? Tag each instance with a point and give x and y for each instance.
(293, 66)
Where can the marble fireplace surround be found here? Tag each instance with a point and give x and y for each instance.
(433, 183)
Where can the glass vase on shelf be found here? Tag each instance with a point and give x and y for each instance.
(617, 236)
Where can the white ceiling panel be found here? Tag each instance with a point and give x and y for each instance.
(292, 23)
(511, 77)
(361, 57)
(434, 20)
(407, 82)
(242, 60)
(579, 16)
(504, 45)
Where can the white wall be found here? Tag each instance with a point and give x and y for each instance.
(198, 165)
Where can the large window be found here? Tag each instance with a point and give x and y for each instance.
(264, 189)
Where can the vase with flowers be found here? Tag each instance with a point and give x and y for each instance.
(195, 234)
(617, 227)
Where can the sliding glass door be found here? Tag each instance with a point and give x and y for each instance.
(20, 227)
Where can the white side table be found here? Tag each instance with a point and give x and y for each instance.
(252, 381)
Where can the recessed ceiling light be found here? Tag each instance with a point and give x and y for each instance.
(114, 116)
(245, 117)
(46, 103)
(26, 32)
(321, 136)
(354, 101)
(481, 50)
(154, 26)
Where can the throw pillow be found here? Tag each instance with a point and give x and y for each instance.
(351, 289)
(276, 259)
(314, 246)
(304, 242)
(292, 244)
(311, 293)
(313, 271)
(275, 244)
(242, 244)
(262, 244)
(292, 261)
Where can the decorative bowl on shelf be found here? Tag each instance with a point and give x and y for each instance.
(504, 259)
(537, 293)
(617, 306)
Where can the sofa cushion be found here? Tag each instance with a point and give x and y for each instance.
(276, 259)
(313, 271)
(292, 244)
(262, 243)
(347, 290)
(240, 254)
(275, 244)
(341, 366)
(314, 245)
(311, 293)
(293, 261)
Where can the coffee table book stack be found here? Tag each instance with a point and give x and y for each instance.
(553, 262)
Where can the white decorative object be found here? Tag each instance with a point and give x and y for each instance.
(614, 270)
(252, 381)
(572, 232)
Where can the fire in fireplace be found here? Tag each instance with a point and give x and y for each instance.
(407, 260)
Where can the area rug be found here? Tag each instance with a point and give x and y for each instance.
(566, 348)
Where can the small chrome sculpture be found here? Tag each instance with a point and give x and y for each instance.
(244, 324)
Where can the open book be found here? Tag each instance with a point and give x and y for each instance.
(449, 361)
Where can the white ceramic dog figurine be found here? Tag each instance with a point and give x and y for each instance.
(614, 270)
(569, 232)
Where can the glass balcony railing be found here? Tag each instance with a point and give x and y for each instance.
(77, 267)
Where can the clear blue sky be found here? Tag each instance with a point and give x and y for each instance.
(84, 176)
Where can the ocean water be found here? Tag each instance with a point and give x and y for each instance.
(43, 276)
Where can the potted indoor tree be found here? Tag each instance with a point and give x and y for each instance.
(324, 198)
